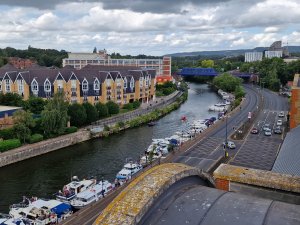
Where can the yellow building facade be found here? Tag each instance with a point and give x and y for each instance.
(91, 84)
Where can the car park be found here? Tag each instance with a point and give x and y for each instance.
(230, 144)
(268, 132)
(254, 130)
(281, 114)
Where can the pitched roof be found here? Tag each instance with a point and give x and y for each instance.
(289, 156)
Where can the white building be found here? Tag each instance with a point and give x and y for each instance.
(253, 56)
(272, 54)
(80, 60)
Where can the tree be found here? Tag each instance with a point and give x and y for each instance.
(113, 108)
(23, 121)
(55, 115)
(102, 110)
(207, 63)
(91, 112)
(95, 50)
(77, 115)
(11, 99)
(36, 105)
(227, 82)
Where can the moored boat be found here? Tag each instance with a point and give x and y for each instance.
(41, 212)
(92, 194)
(128, 171)
(73, 188)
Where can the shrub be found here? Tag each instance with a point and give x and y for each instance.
(9, 144)
(136, 104)
(91, 112)
(35, 138)
(7, 133)
(128, 106)
(78, 115)
(102, 110)
(106, 128)
(121, 124)
(113, 108)
(70, 130)
(237, 102)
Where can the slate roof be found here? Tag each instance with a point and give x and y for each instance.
(289, 156)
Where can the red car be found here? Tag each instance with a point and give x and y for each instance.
(254, 130)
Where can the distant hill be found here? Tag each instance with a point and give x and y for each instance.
(227, 53)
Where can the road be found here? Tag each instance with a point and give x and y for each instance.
(210, 146)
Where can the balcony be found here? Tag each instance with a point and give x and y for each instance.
(73, 94)
(73, 89)
(108, 88)
(60, 90)
(108, 92)
(119, 92)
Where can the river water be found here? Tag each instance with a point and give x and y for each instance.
(44, 175)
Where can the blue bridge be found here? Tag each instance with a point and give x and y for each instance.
(210, 72)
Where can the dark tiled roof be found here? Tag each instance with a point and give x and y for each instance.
(289, 156)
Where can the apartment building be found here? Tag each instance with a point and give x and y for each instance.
(80, 60)
(91, 84)
(253, 56)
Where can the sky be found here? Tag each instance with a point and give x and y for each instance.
(151, 27)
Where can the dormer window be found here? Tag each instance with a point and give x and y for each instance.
(20, 84)
(108, 82)
(47, 86)
(125, 83)
(85, 85)
(34, 87)
(96, 85)
(141, 81)
(7, 85)
(132, 84)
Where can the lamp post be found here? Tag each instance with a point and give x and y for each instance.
(102, 192)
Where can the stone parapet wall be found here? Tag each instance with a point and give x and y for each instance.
(32, 150)
(136, 199)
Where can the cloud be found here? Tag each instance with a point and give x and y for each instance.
(151, 27)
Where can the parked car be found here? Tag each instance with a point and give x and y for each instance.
(254, 130)
(281, 114)
(230, 144)
(268, 132)
(279, 122)
(277, 130)
(266, 126)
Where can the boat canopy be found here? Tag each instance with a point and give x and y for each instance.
(61, 209)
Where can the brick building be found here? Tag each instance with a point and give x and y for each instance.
(20, 63)
(295, 103)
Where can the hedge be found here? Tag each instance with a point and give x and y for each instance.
(70, 130)
(9, 144)
(35, 138)
(7, 133)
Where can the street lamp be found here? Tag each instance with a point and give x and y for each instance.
(102, 186)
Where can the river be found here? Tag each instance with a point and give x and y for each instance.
(44, 175)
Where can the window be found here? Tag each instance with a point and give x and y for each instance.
(108, 82)
(85, 85)
(125, 83)
(20, 86)
(132, 83)
(73, 86)
(96, 85)
(34, 87)
(47, 86)
(7, 85)
(141, 81)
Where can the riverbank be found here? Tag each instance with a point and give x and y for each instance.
(43, 147)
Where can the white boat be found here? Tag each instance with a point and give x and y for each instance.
(216, 108)
(220, 104)
(128, 171)
(8, 220)
(73, 188)
(41, 212)
(92, 194)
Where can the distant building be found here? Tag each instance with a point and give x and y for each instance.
(272, 54)
(20, 63)
(291, 59)
(276, 46)
(295, 103)
(91, 84)
(253, 56)
(80, 60)
(6, 113)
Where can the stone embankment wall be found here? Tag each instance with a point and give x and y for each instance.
(32, 150)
